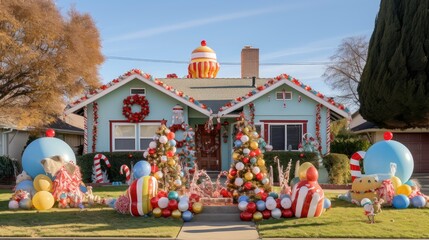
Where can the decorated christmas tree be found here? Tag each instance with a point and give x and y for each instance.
(248, 173)
(164, 160)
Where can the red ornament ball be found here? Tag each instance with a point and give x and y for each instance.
(287, 213)
(154, 202)
(170, 154)
(252, 153)
(248, 185)
(301, 155)
(246, 160)
(194, 198)
(162, 194)
(233, 172)
(388, 136)
(154, 168)
(166, 212)
(152, 151)
(171, 135)
(312, 174)
(238, 136)
(257, 152)
(224, 193)
(130, 155)
(246, 216)
(266, 214)
(172, 204)
(278, 201)
(50, 132)
(251, 207)
(259, 176)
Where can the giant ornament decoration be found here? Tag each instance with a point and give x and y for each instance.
(140, 192)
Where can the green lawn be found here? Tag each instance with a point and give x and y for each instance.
(92, 222)
(345, 220)
(342, 220)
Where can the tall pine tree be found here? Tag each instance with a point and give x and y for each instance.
(394, 89)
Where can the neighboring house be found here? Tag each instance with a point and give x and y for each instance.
(13, 140)
(284, 110)
(416, 139)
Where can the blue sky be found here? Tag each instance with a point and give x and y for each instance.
(294, 31)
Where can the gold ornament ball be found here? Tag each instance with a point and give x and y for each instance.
(197, 207)
(171, 162)
(235, 156)
(246, 130)
(42, 183)
(248, 176)
(176, 214)
(254, 145)
(157, 212)
(43, 200)
(261, 162)
(257, 216)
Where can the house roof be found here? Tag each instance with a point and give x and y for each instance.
(223, 95)
(364, 126)
(338, 110)
(63, 127)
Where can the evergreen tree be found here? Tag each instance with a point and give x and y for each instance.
(248, 173)
(394, 89)
(164, 160)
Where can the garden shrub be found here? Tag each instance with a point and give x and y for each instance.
(284, 157)
(8, 170)
(348, 144)
(338, 168)
(116, 159)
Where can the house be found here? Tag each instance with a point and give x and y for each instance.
(416, 140)
(13, 139)
(124, 114)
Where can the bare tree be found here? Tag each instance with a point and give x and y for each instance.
(345, 72)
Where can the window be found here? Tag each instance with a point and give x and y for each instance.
(124, 137)
(139, 91)
(285, 136)
(288, 95)
(132, 136)
(146, 134)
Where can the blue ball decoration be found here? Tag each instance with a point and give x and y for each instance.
(172, 142)
(173, 195)
(260, 205)
(187, 216)
(42, 148)
(326, 203)
(237, 143)
(274, 195)
(379, 156)
(141, 169)
(26, 185)
(418, 201)
(400, 201)
(243, 198)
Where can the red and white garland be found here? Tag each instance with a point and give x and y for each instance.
(94, 126)
(135, 116)
(85, 130)
(318, 121)
(328, 131)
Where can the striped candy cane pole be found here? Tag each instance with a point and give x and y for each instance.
(328, 131)
(126, 170)
(85, 130)
(98, 173)
(354, 164)
(318, 120)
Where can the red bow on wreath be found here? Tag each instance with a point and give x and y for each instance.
(135, 116)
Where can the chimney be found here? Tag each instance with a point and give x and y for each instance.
(249, 62)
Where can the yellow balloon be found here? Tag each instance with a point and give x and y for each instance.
(248, 176)
(157, 212)
(261, 162)
(257, 216)
(42, 183)
(254, 145)
(302, 170)
(176, 214)
(197, 207)
(396, 182)
(43, 200)
(404, 189)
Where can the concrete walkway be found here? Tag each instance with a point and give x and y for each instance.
(218, 230)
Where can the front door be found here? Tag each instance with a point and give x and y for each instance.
(208, 149)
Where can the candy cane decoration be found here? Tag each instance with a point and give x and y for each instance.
(318, 121)
(354, 164)
(98, 173)
(126, 170)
